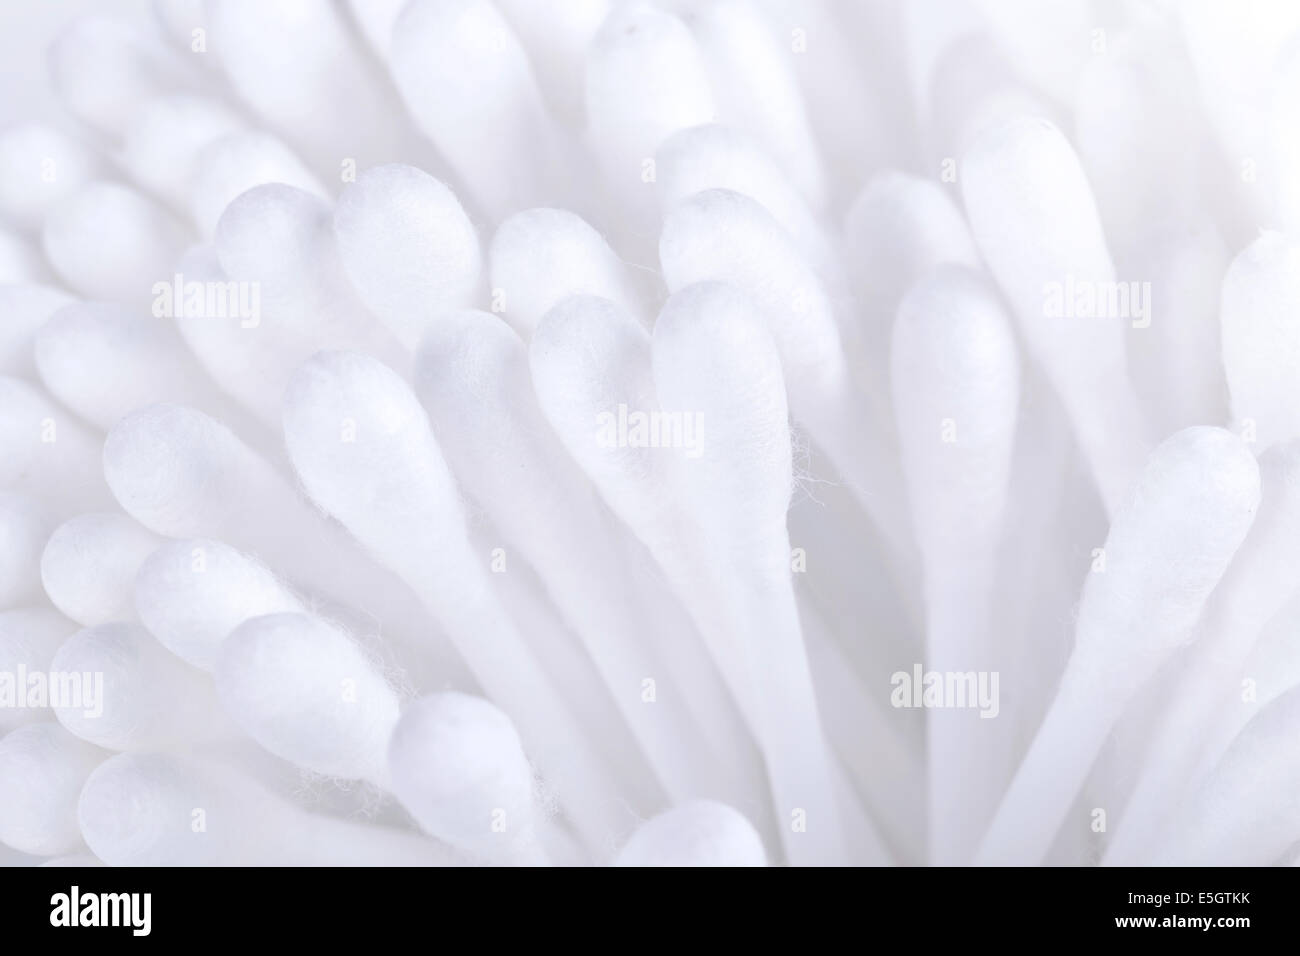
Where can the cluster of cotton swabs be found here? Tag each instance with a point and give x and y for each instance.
(737, 432)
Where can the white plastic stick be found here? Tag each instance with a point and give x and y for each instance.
(1166, 551)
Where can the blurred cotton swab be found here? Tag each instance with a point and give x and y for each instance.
(1166, 551)
(1245, 812)
(110, 242)
(391, 478)
(105, 360)
(134, 695)
(160, 810)
(1035, 222)
(235, 163)
(1257, 585)
(541, 256)
(163, 143)
(89, 565)
(46, 452)
(470, 88)
(42, 769)
(646, 79)
(714, 156)
(285, 61)
(29, 638)
(39, 166)
(755, 87)
(700, 833)
(956, 375)
(103, 68)
(26, 307)
(182, 474)
(1260, 311)
(472, 375)
(898, 228)
(25, 526)
(557, 38)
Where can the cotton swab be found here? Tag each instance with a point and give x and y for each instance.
(523, 597)
(1245, 812)
(755, 88)
(162, 810)
(242, 355)
(587, 357)
(392, 478)
(192, 593)
(88, 567)
(898, 229)
(1256, 587)
(975, 87)
(712, 357)
(1272, 669)
(237, 162)
(722, 235)
(45, 452)
(110, 242)
(104, 360)
(282, 239)
(25, 307)
(29, 638)
(25, 526)
(39, 166)
(472, 376)
(1049, 44)
(134, 695)
(284, 62)
(540, 256)
(1177, 364)
(956, 379)
(714, 156)
(646, 79)
(163, 141)
(182, 474)
(557, 40)
(1035, 222)
(699, 833)
(303, 690)
(102, 68)
(374, 19)
(1166, 551)
(21, 261)
(42, 769)
(458, 766)
(1133, 124)
(407, 247)
(1261, 337)
(469, 86)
